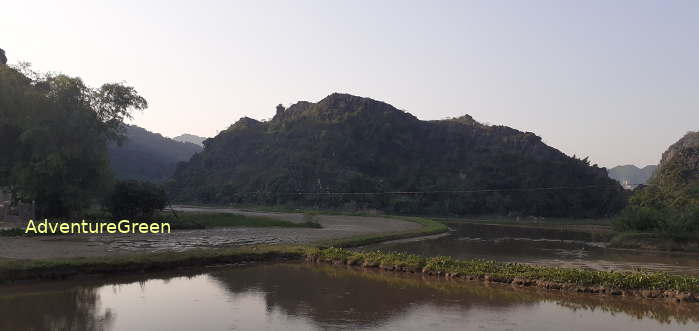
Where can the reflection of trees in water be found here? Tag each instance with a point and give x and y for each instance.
(70, 310)
(328, 295)
(336, 296)
(332, 295)
(471, 240)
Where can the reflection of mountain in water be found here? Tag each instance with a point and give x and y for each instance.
(325, 296)
(340, 297)
(76, 309)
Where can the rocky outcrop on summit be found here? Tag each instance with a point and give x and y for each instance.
(315, 153)
(679, 165)
(190, 138)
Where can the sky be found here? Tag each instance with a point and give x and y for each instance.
(617, 81)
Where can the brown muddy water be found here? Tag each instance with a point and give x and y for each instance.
(321, 297)
(542, 246)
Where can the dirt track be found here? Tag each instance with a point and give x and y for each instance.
(334, 227)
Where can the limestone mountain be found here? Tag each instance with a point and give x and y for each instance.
(353, 152)
(190, 138)
(631, 174)
(677, 176)
(148, 156)
(670, 202)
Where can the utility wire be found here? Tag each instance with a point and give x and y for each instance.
(453, 191)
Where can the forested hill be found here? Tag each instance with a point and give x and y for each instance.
(678, 171)
(346, 143)
(148, 156)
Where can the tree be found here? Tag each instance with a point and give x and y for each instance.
(133, 199)
(55, 131)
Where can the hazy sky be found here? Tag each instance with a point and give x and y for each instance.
(614, 80)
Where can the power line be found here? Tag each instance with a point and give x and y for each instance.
(553, 188)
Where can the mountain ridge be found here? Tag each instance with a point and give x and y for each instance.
(346, 143)
(148, 156)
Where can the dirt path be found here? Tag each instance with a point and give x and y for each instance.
(334, 227)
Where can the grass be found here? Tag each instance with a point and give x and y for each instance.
(508, 272)
(204, 220)
(508, 220)
(685, 242)
(11, 232)
(11, 269)
(429, 227)
(44, 269)
(199, 220)
(314, 211)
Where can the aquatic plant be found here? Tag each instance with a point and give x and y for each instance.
(603, 281)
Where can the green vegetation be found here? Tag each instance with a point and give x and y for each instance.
(311, 154)
(200, 220)
(132, 199)
(669, 205)
(429, 227)
(11, 232)
(11, 269)
(553, 221)
(508, 272)
(54, 132)
(687, 242)
(147, 156)
(549, 277)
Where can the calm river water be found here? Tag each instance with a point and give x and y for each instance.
(545, 246)
(320, 297)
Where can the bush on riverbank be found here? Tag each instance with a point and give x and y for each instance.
(132, 199)
(670, 203)
(658, 219)
(508, 272)
(685, 242)
(429, 227)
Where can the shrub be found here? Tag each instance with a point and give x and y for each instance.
(133, 199)
(667, 220)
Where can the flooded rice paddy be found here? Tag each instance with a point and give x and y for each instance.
(543, 246)
(320, 297)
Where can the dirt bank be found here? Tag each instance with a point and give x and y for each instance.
(71, 246)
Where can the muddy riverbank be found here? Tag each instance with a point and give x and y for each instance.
(334, 227)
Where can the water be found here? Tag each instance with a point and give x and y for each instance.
(321, 297)
(544, 246)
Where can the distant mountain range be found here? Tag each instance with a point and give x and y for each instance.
(148, 156)
(632, 175)
(190, 138)
(353, 152)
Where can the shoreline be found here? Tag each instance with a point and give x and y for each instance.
(628, 284)
(14, 269)
(642, 286)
